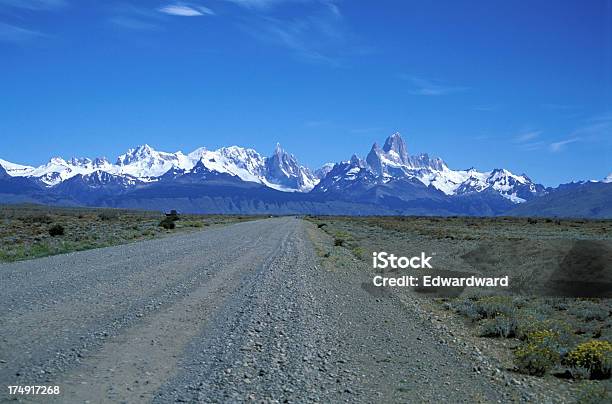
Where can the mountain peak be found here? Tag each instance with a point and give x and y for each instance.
(395, 145)
(57, 160)
(80, 161)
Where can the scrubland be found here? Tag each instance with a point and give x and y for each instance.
(554, 321)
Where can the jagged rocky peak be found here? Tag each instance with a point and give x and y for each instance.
(374, 160)
(357, 161)
(100, 161)
(282, 164)
(321, 172)
(395, 147)
(424, 161)
(80, 161)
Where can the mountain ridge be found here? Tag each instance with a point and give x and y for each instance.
(387, 181)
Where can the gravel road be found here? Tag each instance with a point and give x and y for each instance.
(238, 313)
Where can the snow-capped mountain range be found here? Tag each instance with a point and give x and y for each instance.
(145, 164)
(387, 181)
(392, 162)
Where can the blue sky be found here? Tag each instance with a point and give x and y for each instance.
(524, 85)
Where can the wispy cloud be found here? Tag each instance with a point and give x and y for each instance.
(529, 140)
(34, 4)
(596, 129)
(426, 87)
(259, 4)
(560, 145)
(527, 136)
(318, 35)
(12, 33)
(184, 10)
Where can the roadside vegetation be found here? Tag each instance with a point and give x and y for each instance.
(32, 231)
(554, 322)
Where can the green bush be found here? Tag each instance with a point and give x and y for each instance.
(500, 326)
(539, 354)
(594, 394)
(588, 311)
(56, 230)
(594, 355)
(108, 215)
(487, 307)
(173, 215)
(167, 223)
(528, 325)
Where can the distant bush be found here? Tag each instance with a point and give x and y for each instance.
(38, 218)
(56, 230)
(532, 220)
(320, 225)
(167, 223)
(108, 215)
(173, 215)
(339, 242)
(588, 311)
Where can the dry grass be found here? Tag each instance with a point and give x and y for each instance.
(24, 229)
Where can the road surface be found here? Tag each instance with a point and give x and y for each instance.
(238, 313)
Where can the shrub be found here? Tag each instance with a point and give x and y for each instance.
(500, 326)
(594, 394)
(560, 330)
(594, 355)
(173, 215)
(56, 230)
(588, 311)
(38, 218)
(493, 306)
(108, 215)
(339, 242)
(538, 355)
(167, 224)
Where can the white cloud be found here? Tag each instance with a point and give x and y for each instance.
(558, 146)
(257, 3)
(182, 10)
(527, 136)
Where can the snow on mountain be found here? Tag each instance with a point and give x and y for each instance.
(608, 179)
(321, 172)
(280, 171)
(15, 170)
(392, 162)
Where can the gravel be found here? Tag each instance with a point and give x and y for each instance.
(240, 313)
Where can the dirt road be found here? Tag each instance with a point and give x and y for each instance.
(243, 312)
